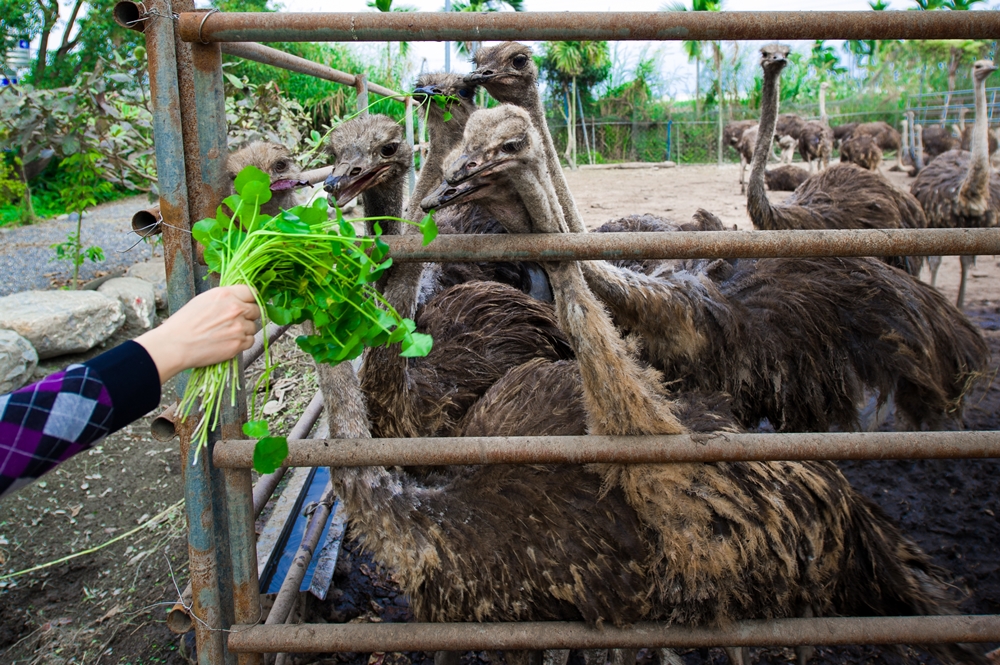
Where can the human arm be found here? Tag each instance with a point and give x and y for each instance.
(46, 423)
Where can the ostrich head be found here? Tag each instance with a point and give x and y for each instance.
(367, 152)
(507, 71)
(773, 58)
(495, 140)
(470, 189)
(460, 103)
(498, 144)
(274, 160)
(981, 69)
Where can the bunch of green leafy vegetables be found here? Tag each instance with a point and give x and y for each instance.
(302, 266)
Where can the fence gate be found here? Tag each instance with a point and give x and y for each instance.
(185, 49)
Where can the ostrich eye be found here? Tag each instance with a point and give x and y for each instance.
(389, 149)
(464, 93)
(512, 146)
(280, 166)
(520, 61)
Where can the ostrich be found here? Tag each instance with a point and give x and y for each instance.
(959, 189)
(796, 341)
(843, 132)
(966, 132)
(816, 137)
(917, 153)
(786, 134)
(744, 146)
(886, 138)
(785, 178)
(684, 567)
(481, 328)
(508, 73)
(276, 161)
(734, 130)
(844, 196)
(936, 141)
(863, 150)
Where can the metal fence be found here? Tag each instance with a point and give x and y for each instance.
(187, 92)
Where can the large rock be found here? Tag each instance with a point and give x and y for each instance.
(153, 271)
(58, 322)
(18, 360)
(137, 298)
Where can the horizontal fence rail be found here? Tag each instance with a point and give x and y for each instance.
(386, 637)
(696, 245)
(715, 447)
(542, 26)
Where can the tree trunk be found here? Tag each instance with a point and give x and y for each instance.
(697, 88)
(718, 81)
(953, 62)
(50, 16)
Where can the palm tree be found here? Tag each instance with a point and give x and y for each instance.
(694, 51)
(570, 60)
(404, 47)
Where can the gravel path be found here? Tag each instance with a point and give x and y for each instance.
(26, 260)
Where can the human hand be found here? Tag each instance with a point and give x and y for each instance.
(213, 327)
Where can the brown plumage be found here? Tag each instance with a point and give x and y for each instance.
(936, 141)
(732, 132)
(843, 196)
(843, 132)
(862, 150)
(966, 132)
(959, 189)
(674, 542)
(786, 134)
(276, 161)
(797, 341)
(785, 178)
(886, 137)
(816, 143)
(745, 146)
(481, 328)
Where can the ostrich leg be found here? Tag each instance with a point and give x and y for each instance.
(934, 263)
(967, 262)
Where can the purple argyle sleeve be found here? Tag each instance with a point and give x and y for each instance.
(48, 422)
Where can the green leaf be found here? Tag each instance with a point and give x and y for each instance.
(250, 174)
(233, 201)
(256, 429)
(293, 226)
(206, 231)
(383, 5)
(255, 192)
(417, 345)
(213, 256)
(269, 453)
(429, 228)
(447, 116)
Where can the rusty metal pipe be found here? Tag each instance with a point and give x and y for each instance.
(179, 621)
(274, 331)
(148, 222)
(288, 594)
(559, 26)
(293, 63)
(696, 245)
(266, 484)
(130, 15)
(366, 638)
(623, 449)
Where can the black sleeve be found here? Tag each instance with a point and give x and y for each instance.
(131, 379)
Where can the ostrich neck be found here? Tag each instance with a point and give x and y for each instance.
(532, 103)
(759, 207)
(621, 397)
(432, 171)
(822, 106)
(385, 201)
(975, 191)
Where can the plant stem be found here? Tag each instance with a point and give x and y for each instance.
(76, 251)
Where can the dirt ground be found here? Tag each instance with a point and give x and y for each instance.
(120, 503)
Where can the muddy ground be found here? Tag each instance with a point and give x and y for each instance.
(122, 500)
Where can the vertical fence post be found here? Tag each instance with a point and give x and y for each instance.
(204, 487)
(361, 85)
(670, 126)
(411, 175)
(234, 523)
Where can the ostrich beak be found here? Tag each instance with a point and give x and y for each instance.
(350, 182)
(480, 76)
(466, 167)
(448, 195)
(423, 92)
(282, 185)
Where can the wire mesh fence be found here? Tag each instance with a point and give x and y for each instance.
(684, 141)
